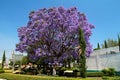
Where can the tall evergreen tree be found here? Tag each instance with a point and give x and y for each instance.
(105, 43)
(3, 59)
(82, 44)
(98, 46)
(110, 43)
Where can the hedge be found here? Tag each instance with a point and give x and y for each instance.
(89, 74)
(117, 73)
(93, 70)
(109, 72)
(94, 74)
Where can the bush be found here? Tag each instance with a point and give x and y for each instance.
(105, 72)
(1, 68)
(117, 73)
(2, 71)
(61, 71)
(94, 74)
(109, 72)
(76, 69)
(76, 74)
(30, 71)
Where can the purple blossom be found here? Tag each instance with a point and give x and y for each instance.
(53, 33)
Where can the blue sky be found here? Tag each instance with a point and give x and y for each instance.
(104, 14)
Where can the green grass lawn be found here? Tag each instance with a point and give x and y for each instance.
(11, 76)
(8, 71)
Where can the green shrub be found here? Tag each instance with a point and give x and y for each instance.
(69, 74)
(75, 69)
(1, 68)
(63, 68)
(117, 73)
(94, 74)
(2, 71)
(76, 72)
(105, 72)
(109, 72)
(61, 71)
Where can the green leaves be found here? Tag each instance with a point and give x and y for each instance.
(3, 59)
(82, 44)
(105, 43)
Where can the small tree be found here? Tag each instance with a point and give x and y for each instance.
(82, 44)
(25, 60)
(3, 59)
(11, 63)
(98, 46)
(105, 43)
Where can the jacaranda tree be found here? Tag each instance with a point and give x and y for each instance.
(52, 34)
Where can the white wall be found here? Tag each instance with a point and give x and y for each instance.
(103, 58)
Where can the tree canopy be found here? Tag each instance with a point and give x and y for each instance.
(53, 33)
